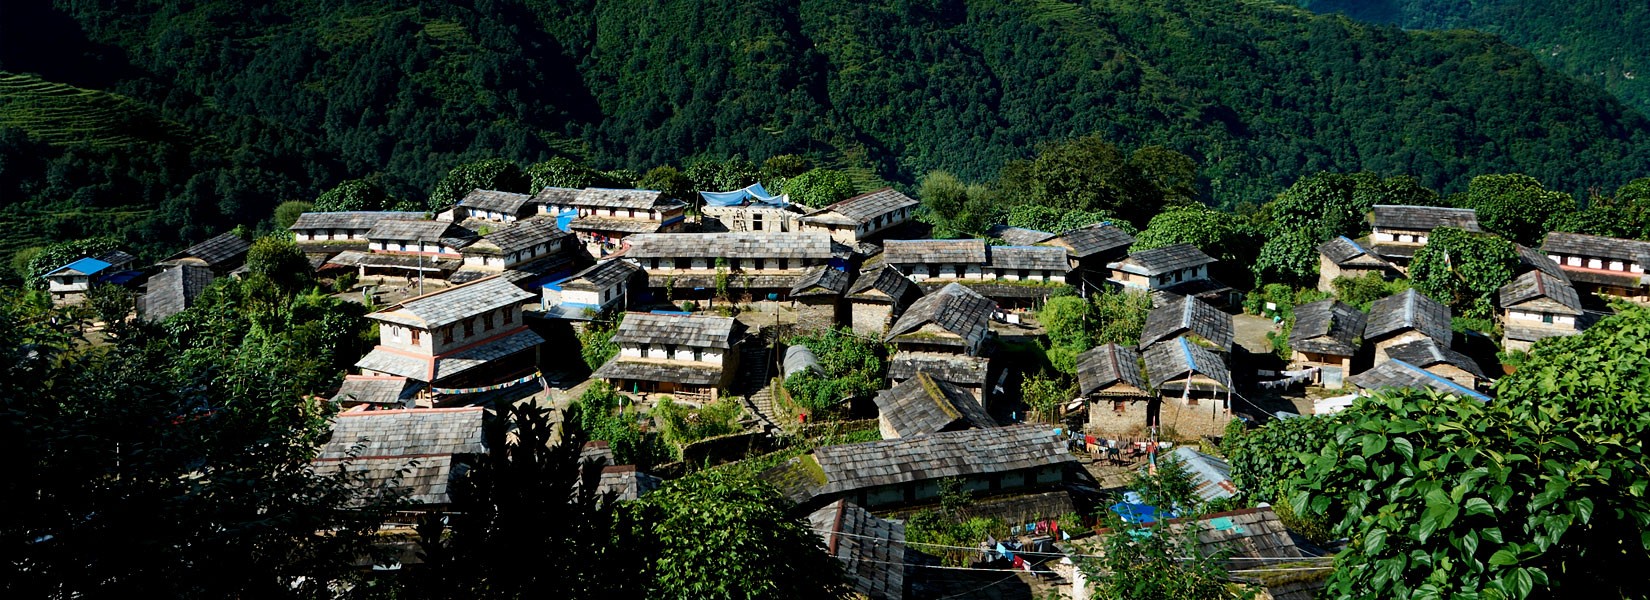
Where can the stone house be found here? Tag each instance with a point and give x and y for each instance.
(908, 471)
(420, 451)
(1343, 257)
(494, 206)
(970, 261)
(464, 337)
(923, 405)
(512, 245)
(1405, 317)
(750, 209)
(1397, 374)
(1400, 230)
(1120, 399)
(1601, 265)
(1093, 248)
(1537, 306)
(691, 356)
(223, 254)
(1187, 316)
(861, 217)
(378, 391)
(1327, 334)
(878, 297)
(871, 549)
(411, 248)
(73, 280)
(817, 297)
(1178, 270)
(1018, 236)
(1194, 385)
(604, 218)
(690, 265)
(952, 320)
(1439, 360)
(970, 373)
(171, 291)
(602, 288)
(329, 233)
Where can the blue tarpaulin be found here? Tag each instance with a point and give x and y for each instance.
(564, 221)
(1135, 513)
(753, 193)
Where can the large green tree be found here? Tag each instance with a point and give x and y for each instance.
(491, 174)
(819, 187)
(1325, 205)
(357, 194)
(1463, 270)
(1516, 207)
(1090, 173)
(957, 209)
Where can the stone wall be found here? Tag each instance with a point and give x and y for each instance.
(870, 318)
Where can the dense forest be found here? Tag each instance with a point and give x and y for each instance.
(160, 124)
(1605, 42)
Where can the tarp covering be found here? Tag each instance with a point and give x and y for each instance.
(753, 193)
(798, 358)
(564, 221)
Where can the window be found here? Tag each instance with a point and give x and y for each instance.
(415, 335)
(447, 334)
(469, 327)
(487, 322)
(1117, 406)
(756, 222)
(509, 314)
(784, 264)
(1548, 319)
(698, 355)
(670, 350)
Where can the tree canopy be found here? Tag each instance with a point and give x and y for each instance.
(1463, 270)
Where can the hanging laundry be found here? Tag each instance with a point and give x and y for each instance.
(1019, 563)
(1003, 550)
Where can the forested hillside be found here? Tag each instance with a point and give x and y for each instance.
(1606, 42)
(283, 101)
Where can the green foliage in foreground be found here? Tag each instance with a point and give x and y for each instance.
(1538, 494)
(605, 414)
(1150, 562)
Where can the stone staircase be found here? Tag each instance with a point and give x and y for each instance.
(752, 384)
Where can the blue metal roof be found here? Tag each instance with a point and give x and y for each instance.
(89, 266)
(1442, 380)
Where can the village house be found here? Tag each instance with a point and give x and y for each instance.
(1187, 316)
(924, 404)
(970, 373)
(73, 280)
(1120, 400)
(861, 217)
(510, 246)
(1094, 248)
(1439, 360)
(410, 249)
(871, 549)
(908, 471)
(334, 232)
(1400, 230)
(1397, 374)
(1327, 334)
(878, 297)
(456, 340)
(750, 209)
(494, 206)
(1405, 317)
(971, 261)
(1536, 306)
(171, 291)
(378, 392)
(420, 451)
(603, 218)
(689, 356)
(1188, 378)
(1601, 265)
(223, 254)
(1018, 236)
(951, 320)
(1342, 257)
(817, 298)
(1180, 270)
(1531, 259)
(691, 265)
(601, 289)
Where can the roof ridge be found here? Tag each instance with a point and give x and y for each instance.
(1186, 312)
(1116, 368)
(1191, 363)
(1438, 378)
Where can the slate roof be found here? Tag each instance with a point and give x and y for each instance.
(476, 356)
(413, 449)
(970, 452)
(1034, 258)
(556, 195)
(1184, 315)
(116, 258)
(1327, 327)
(1397, 374)
(924, 404)
(525, 234)
(1578, 244)
(1427, 352)
(871, 549)
(375, 389)
(1162, 260)
(1345, 252)
(505, 202)
(924, 252)
(383, 360)
(970, 371)
(863, 208)
(1172, 360)
(1084, 242)
(732, 245)
(647, 369)
(421, 230)
(686, 330)
(1423, 218)
(822, 280)
(218, 251)
(626, 482)
(612, 198)
(1538, 285)
(354, 219)
(601, 276)
(448, 306)
(1102, 366)
(173, 290)
(1530, 258)
(954, 308)
(1408, 309)
(1019, 236)
(1211, 476)
(83, 266)
(892, 285)
(615, 224)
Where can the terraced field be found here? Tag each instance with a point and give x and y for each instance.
(66, 115)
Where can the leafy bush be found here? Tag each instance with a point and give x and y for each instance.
(1364, 290)
(1463, 270)
(601, 412)
(852, 367)
(680, 426)
(596, 345)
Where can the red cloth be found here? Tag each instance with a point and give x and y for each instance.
(1088, 439)
(1019, 563)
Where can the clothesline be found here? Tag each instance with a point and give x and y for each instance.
(485, 388)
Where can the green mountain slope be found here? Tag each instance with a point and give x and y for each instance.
(1606, 42)
(1258, 92)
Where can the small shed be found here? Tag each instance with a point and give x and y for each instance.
(1110, 376)
(923, 405)
(799, 358)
